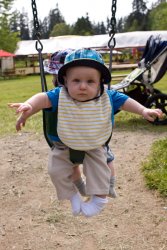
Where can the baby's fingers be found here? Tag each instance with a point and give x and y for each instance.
(20, 123)
(14, 105)
(17, 106)
(20, 107)
(160, 113)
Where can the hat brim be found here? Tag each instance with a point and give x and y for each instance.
(105, 73)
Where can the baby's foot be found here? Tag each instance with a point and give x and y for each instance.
(94, 206)
(76, 204)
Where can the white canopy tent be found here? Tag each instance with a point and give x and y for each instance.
(123, 40)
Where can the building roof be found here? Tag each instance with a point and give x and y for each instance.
(4, 53)
(123, 40)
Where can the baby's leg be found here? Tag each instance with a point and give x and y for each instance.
(78, 180)
(97, 172)
(110, 159)
(112, 192)
(60, 170)
(97, 175)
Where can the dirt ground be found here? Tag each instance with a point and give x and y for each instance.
(31, 217)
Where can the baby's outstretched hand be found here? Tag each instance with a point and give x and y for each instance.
(20, 107)
(25, 110)
(151, 114)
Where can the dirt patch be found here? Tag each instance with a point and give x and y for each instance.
(31, 217)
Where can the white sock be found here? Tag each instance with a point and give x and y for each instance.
(76, 204)
(94, 206)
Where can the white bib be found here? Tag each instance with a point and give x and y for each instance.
(84, 125)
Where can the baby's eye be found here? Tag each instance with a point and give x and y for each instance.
(90, 81)
(76, 80)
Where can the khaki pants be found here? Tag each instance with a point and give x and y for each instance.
(95, 169)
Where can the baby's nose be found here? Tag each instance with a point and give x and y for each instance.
(83, 85)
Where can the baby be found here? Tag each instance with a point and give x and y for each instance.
(84, 124)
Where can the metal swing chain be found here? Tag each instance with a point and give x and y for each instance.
(39, 48)
(35, 16)
(38, 44)
(112, 41)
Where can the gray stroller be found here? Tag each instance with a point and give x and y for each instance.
(139, 84)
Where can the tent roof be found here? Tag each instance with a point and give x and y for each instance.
(4, 53)
(123, 40)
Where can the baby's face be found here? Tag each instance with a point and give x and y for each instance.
(83, 83)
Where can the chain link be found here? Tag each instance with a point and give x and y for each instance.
(113, 19)
(35, 16)
(112, 41)
(113, 24)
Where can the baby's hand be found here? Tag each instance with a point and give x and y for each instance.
(20, 107)
(25, 110)
(151, 114)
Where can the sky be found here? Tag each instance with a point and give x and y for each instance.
(71, 10)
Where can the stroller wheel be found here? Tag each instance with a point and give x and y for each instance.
(158, 101)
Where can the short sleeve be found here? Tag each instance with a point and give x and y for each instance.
(118, 99)
(53, 96)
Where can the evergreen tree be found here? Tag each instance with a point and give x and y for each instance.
(157, 17)
(33, 31)
(24, 27)
(54, 18)
(108, 25)
(120, 25)
(139, 6)
(61, 29)
(99, 28)
(161, 1)
(102, 28)
(44, 27)
(8, 37)
(5, 5)
(14, 22)
(83, 26)
(137, 20)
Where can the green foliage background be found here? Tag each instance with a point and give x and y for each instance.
(15, 26)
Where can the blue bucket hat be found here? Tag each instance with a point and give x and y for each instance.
(85, 57)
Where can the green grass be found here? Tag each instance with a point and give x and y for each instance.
(155, 168)
(18, 90)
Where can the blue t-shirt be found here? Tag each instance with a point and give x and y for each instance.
(117, 99)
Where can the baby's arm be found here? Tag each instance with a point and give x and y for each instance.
(30, 107)
(133, 106)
